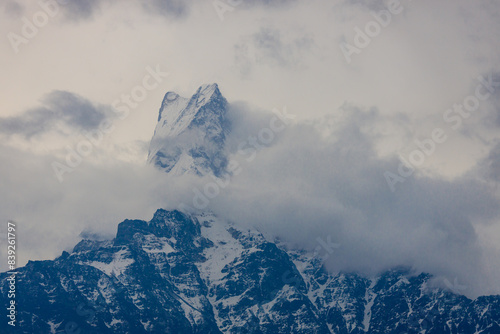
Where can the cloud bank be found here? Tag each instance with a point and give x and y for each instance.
(308, 185)
(61, 107)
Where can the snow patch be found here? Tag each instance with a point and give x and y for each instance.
(154, 245)
(117, 266)
(226, 249)
(369, 300)
(53, 326)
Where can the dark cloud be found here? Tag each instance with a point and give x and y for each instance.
(57, 106)
(13, 9)
(167, 8)
(268, 41)
(374, 5)
(81, 10)
(76, 10)
(492, 115)
(31, 123)
(270, 47)
(490, 165)
(267, 3)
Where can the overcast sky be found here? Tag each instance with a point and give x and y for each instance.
(366, 81)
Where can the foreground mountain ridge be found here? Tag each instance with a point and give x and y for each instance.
(182, 273)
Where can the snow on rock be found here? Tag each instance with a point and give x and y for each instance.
(226, 249)
(190, 134)
(117, 266)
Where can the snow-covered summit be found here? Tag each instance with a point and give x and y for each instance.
(191, 132)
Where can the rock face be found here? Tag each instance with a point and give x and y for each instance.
(191, 133)
(181, 273)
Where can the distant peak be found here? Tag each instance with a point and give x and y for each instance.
(170, 97)
(206, 93)
(191, 132)
(208, 88)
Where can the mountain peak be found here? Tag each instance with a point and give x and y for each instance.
(208, 90)
(190, 134)
(173, 101)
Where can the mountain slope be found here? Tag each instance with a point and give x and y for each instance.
(180, 273)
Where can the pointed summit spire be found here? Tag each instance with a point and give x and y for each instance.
(191, 132)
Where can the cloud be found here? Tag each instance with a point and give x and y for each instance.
(272, 48)
(373, 5)
(167, 8)
(13, 9)
(269, 46)
(57, 107)
(76, 10)
(267, 3)
(86, 10)
(490, 165)
(92, 200)
(309, 185)
(492, 114)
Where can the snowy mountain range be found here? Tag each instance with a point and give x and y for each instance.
(181, 273)
(197, 273)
